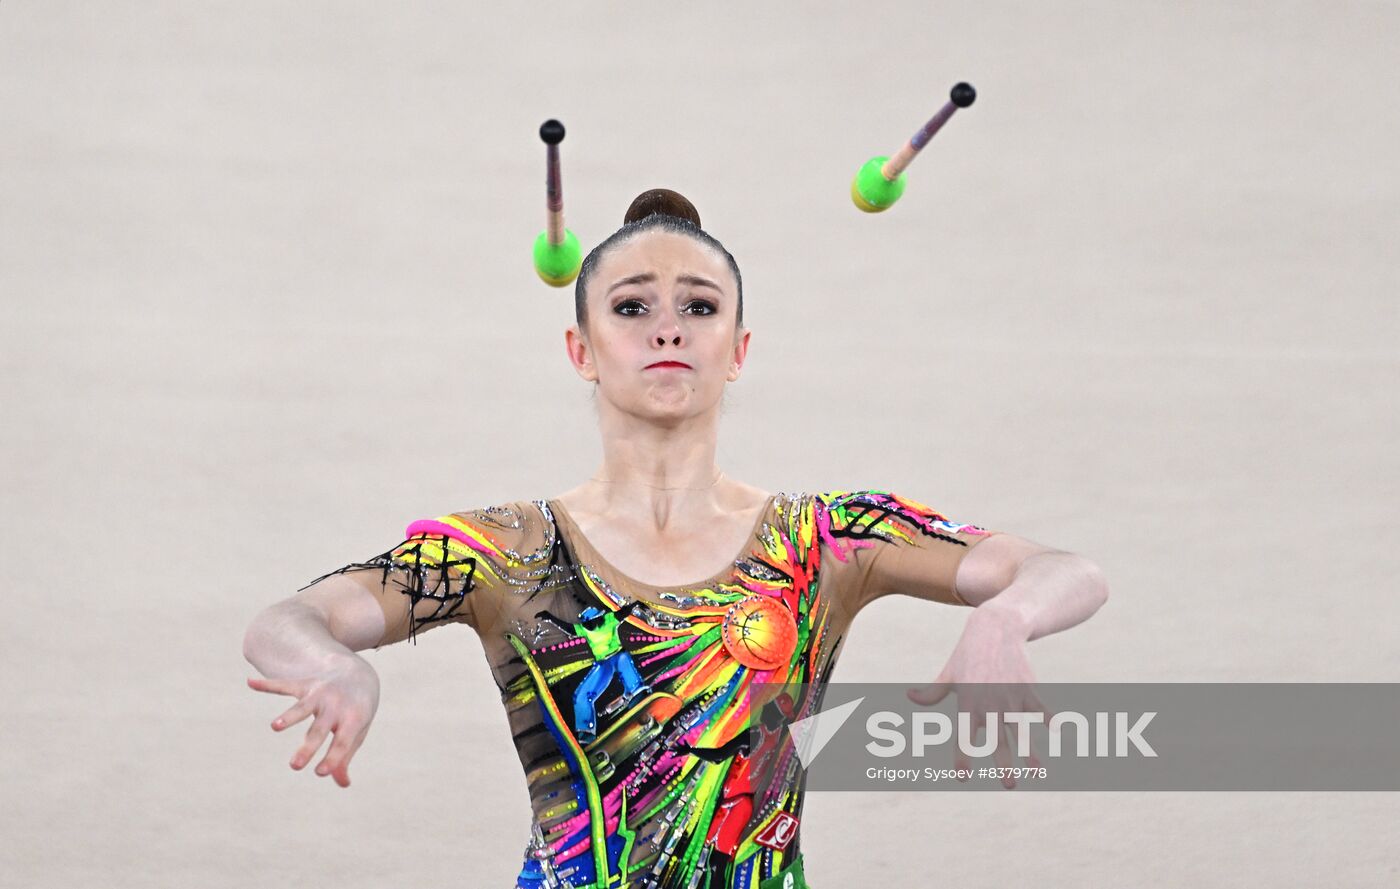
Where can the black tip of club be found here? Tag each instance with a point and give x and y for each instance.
(963, 95)
(552, 132)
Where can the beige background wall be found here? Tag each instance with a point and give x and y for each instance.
(267, 297)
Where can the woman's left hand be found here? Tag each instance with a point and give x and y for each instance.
(989, 672)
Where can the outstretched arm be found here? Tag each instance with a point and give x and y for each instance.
(900, 545)
(306, 648)
(1018, 590)
(1021, 591)
(1025, 591)
(1032, 587)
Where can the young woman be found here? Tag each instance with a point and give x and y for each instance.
(628, 682)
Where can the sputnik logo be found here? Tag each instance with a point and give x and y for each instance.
(810, 735)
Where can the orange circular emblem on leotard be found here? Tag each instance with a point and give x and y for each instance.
(759, 632)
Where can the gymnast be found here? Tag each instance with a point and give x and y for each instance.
(694, 587)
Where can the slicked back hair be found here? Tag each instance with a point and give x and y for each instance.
(663, 222)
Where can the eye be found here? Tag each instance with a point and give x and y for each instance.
(629, 303)
(707, 307)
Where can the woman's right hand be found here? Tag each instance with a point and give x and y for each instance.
(343, 698)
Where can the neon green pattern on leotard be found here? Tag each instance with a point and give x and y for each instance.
(602, 640)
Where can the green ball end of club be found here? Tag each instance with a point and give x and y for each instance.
(871, 191)
(558, 264)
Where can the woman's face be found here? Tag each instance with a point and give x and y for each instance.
(660, 297)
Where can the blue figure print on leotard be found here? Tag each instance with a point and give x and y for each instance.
(599, 630)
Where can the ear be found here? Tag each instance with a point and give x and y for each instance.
(580, 353)
(741, 350)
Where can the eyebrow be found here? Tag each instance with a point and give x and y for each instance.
(648, 277)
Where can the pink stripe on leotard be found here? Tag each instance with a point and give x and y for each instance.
(432, 526)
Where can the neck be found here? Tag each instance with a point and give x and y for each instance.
(656, 468)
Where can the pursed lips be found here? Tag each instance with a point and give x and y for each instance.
(678, 364)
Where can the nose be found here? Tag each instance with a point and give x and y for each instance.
(668, 331)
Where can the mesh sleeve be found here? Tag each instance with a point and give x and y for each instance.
(892, 544)
(438, 575)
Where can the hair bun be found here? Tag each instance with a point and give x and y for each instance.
(662, 200)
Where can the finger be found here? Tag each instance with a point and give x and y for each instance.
(314, 737)
(962, 759)
(342, 776)
(1032, 760)
(336, 757)
(930, 694)
(277, 686)
(1032, 704)
(1002, 755)
(1024, 733)
(1036, 705)
(962, 763)
(292, 715)
(978, 726)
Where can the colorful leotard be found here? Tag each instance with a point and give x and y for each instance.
(629, 704)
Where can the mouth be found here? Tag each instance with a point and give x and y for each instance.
(660, 364)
